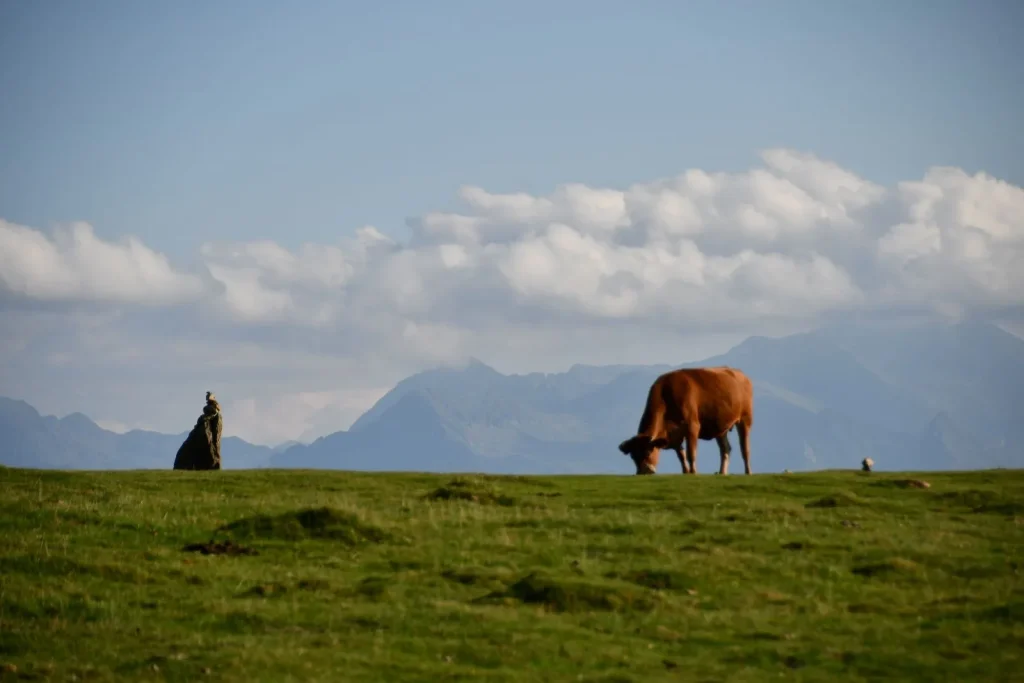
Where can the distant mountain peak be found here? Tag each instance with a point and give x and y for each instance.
(79, 420)
(474, 364)
(14, 406)
(470, 365)
(760, 341)
(795, 345)
(282, 447)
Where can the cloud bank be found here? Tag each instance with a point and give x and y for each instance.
(75, 265)
(793, 240)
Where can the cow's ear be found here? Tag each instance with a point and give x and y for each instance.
(659, 443)
(631, 444)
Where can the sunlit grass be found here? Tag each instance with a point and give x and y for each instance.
(388, 577)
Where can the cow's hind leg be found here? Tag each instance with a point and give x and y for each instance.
(691, 449)
(724, 450)
(743, 428)
(682, 460)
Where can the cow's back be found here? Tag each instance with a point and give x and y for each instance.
(717, 396)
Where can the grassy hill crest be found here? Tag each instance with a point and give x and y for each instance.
(265, 575)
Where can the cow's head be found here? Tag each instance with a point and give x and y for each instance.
(644, 452)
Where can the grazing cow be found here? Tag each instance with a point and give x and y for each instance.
(691, 404)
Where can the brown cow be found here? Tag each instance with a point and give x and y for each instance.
(691, 404)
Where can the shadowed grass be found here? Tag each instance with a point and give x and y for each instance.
(314, 523)
(562, 594)
(471, 491)
(836, 500)
(659, 579)
(416, 577)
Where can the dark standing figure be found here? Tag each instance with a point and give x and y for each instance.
(201, 449)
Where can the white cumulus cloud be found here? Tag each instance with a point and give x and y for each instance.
(75, 265)
(794, 237)
(791, 240)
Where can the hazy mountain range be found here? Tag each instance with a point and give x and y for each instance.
(921, 397)
(28, 439)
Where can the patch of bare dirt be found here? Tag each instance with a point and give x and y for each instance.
(220, 548)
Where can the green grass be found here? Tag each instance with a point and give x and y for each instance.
(405, 577)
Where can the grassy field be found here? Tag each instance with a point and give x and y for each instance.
(337, 576)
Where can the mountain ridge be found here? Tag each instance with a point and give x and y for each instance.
(816, 401)
(75, 441)
(944, 397)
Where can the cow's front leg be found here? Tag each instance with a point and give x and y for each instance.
(682, 460)
(691, 450)
(724, 451)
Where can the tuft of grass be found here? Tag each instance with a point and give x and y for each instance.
(470, 491)
(896, 565)
(494, 579)
(277, 588)
(312, 523)
(658, 579)
(990, 501)
(418, 577)
(266, 589)
(373, 587)
(837, 500)
(562, 594)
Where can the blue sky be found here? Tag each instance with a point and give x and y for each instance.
(249, 120)
(228, 157)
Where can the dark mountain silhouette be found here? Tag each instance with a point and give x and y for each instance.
(911, 397)
(972, 372)
(922, 397)
(28, 439)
